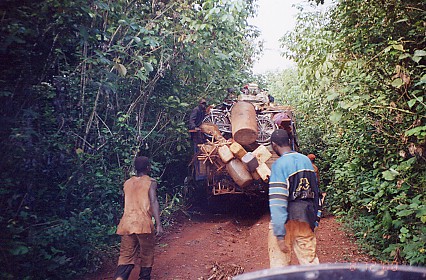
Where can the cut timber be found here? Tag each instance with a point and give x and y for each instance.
(255, 176)
(262, 154)
(250, 161)
(263, 171)
(212, 130)
(237, 150)
(273, 158)
(239, 173)
(244, 123)
(225, 153)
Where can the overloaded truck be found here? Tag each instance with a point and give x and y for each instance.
(236, 157)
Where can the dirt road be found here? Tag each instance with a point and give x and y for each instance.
(200, 246)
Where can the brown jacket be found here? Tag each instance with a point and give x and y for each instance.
(137, 216)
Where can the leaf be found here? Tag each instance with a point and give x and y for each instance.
(344, 105)
(317, 75)
(403, 56)
(398, 47)
(404, 230)
(390, 174)
(332, 96)
(386, 50)
(406, 165)
(397, 83)
(148, 66)
(405, 213)
(411, 102)
(422, 80)
(112, 230)
(19, 250)
(387, 220)
(415, 131)
(336, 116)
(420, 53)
(121, 69)
(401, 20)
(416, 58)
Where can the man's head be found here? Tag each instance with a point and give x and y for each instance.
(203, 103)
(142, 164)
(280, 141)
(311, 157)
(280, 138)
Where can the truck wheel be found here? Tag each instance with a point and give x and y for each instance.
(219, 119)
(265, 129)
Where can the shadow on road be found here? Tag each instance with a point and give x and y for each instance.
(243, 209)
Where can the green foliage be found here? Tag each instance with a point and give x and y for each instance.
(359, 95)
(88, 86)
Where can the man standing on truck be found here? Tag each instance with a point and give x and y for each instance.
(136, 227)
(294, 203)
(195, 120)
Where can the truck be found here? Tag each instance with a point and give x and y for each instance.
(237, 156)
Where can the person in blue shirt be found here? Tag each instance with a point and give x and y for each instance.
(294, 203)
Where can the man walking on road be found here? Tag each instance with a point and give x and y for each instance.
(294, 203)
(136, 227)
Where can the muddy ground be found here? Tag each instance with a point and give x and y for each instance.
(205, 245)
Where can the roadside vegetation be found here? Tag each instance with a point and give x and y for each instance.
(359, 96)
(87, 85)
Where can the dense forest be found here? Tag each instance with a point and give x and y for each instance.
(359, 91)
(87, 85)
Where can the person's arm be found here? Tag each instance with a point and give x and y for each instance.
(155, 206)
(278, 202)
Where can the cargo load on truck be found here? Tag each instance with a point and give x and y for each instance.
(237, 156)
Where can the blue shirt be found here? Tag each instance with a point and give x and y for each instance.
(293, 180)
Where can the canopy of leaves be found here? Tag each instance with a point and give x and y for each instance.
(359, 92)
(86, 86)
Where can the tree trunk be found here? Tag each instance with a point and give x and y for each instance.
(244, 123)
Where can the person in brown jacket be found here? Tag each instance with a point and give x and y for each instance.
(312, 158)
(136, 227)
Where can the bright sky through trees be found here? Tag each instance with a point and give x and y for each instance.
(275, 17)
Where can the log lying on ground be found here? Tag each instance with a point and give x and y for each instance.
(244, 123)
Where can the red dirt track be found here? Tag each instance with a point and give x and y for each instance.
(208, 246)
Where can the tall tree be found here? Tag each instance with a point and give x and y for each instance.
(361, 68)
(88, 85)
